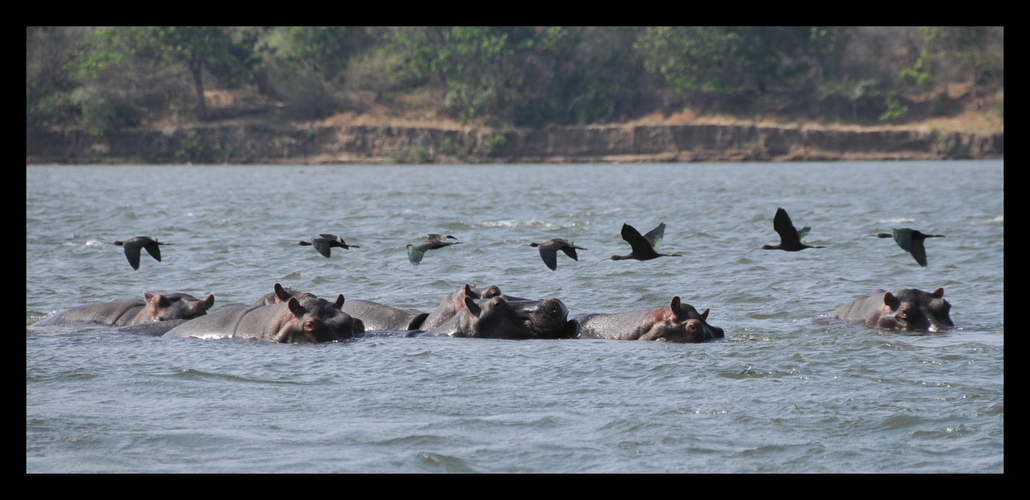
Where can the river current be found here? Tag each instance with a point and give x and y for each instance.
(788, 389)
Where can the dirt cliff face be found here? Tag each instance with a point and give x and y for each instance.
(243, 143)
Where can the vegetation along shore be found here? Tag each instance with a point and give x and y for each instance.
(512, 94)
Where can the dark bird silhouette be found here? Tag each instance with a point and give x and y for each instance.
(791, 239)
(911, 241)
(644, 247)
(325, 243)
(430, 242)
(549, 251)
(133, 245)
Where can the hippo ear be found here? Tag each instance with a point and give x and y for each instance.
(890, 300)
(147, 296)
(675, 303)
(467, 290)
(939, 292)
(294, 307)
(280, 293)
(472, 306)
(704, 314)
(339, 301)
(209, 301)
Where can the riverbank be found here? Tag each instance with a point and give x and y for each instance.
(248, 127)
(242, 142)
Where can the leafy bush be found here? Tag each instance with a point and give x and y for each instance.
(103, 113)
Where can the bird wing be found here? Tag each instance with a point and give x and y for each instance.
(415, 255)
(323, 246)
(640, 244)
(655, 236)
(132, 253)
(785, 228)
(570, 250)
(154, 249)
(550, 256)
(803, 233)
(903, 237)
(919, 253)
(331, 237)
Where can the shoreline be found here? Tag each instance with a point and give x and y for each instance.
(241, 142)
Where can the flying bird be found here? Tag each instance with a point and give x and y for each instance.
(325, 242)
(644, 247)
(549, 251)
(911, 241)
(791, 239)
(430, 242)
(133, 245)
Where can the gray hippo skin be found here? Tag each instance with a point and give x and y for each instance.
(377, 316)
(279, 295)
(308, 319)
(677, 322)
(455, 301)
(497, 318)
(159, 307)
(906, 310)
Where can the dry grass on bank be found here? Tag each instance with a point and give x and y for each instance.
(422, 110)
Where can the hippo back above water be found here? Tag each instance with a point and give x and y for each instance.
(378, 317)
(159, 307)
(905, 310)
(303, 320)
(677, 322)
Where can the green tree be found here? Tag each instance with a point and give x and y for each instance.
(325, 49)
(226, 53)
(730, 59)
(481, 67)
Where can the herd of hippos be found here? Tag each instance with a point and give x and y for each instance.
(286, 315)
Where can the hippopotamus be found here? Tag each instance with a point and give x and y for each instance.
(377, 316)
(677, 322)
(455, 301)
(497, 318)
(908, 310)
(279, 295)
(307, 319)
(159, 307)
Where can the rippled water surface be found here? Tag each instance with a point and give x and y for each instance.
(788, 390)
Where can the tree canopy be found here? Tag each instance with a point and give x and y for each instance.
(521, 76)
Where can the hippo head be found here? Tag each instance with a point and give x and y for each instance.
(311, 319)
(681, 323)
(455, 301)
(515, 319)
(172, 306)
(915, 310)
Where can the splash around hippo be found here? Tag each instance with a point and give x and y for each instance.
(908, 310)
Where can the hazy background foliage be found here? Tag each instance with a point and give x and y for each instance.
(104, 79)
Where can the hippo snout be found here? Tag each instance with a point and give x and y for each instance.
(713, 332)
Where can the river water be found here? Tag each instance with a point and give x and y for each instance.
(787, 390)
